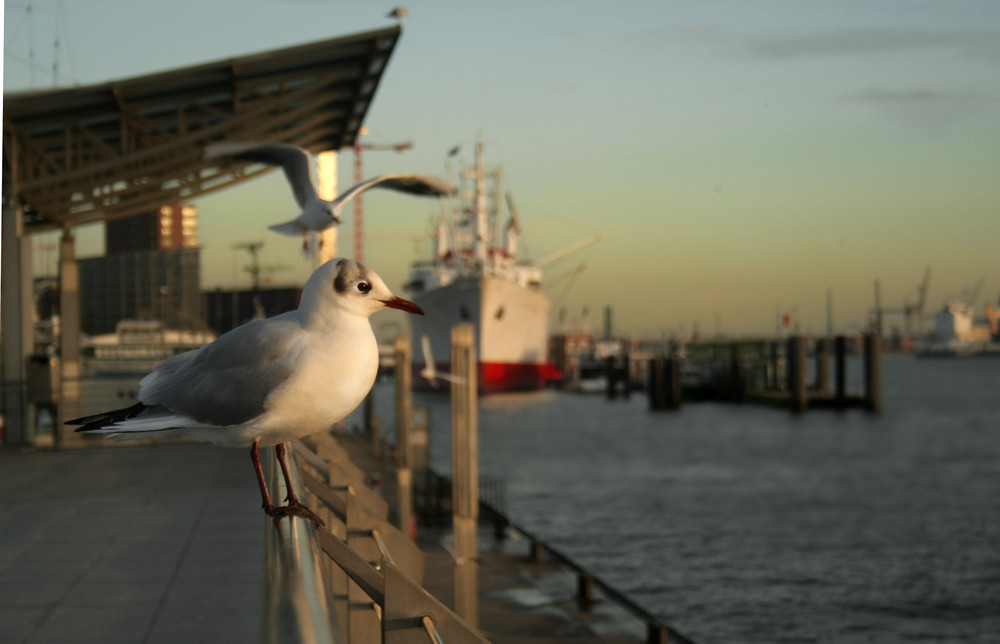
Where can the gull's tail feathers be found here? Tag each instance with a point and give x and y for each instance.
(130, 420)
(291, 228)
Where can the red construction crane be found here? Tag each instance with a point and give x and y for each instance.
(358, 178)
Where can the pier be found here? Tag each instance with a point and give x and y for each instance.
(775, 373)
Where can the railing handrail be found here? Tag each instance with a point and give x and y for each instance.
(298, 604)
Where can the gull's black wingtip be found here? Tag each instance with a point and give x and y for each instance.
(98, 421)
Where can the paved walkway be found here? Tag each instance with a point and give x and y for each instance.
(130, 544)
(165, 544)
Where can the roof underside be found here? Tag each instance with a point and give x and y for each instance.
(80, 155)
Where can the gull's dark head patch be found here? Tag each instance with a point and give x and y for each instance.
(341, 282)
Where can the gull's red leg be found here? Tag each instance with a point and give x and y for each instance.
(294, 506)
(265, 497)
(279, 451)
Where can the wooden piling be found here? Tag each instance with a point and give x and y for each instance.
(735, 373)
(465, 471)
(774, 359)
(584, 591)
(654, 392)
(796, 355)
(404, 413)
(610, 378)
(840, 371)
(873, 373)
(822, 353)
(672, 371)
(626, 378)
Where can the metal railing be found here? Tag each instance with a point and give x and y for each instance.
(297, 596)
(355, 580)
(657, 631)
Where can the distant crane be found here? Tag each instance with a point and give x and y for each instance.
(358, 208)
(973, 293)
(909, 310)
(254, 268)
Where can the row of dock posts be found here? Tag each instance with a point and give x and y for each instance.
(774, 373)
(464, 460)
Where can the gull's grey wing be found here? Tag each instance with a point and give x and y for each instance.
(228, 381)
(292, 159)
(414, 184)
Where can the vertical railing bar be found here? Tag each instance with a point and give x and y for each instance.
(381, 546)
(428, 625)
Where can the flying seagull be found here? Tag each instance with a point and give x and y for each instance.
(318, 214)
(268, 381)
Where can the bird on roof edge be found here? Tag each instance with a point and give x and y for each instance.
(268, 381)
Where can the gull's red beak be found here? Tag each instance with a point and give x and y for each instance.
(403, 305)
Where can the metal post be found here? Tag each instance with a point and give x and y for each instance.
(404, 458)
(465, 471)
(18, 334)
(69, 337)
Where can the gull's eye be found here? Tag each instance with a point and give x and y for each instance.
(364, 287)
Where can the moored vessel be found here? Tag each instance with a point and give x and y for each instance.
(475, 277)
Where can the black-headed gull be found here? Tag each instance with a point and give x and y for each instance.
(318, 214)
(268, 381)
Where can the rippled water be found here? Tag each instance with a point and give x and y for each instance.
(749, 524)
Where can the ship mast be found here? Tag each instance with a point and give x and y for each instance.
(481, 227)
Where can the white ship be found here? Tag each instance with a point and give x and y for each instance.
(474, 278)
(956, 335)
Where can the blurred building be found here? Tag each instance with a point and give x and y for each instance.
(151, 271)
(225, 310)
(172, 226)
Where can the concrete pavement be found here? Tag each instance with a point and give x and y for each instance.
(128, 545)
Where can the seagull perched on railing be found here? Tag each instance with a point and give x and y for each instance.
(268, 381)
(318, 214)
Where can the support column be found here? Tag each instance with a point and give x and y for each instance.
(18, 333)
(326, 175)
(404, 450)
(465, 471)
(69, 338)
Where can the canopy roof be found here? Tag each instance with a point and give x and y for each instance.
(86, 154)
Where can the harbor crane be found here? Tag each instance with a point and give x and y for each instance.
(254, 268)
(972, 294)
(909, 310)
(358, 208)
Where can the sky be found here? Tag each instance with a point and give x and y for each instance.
(741, 159)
